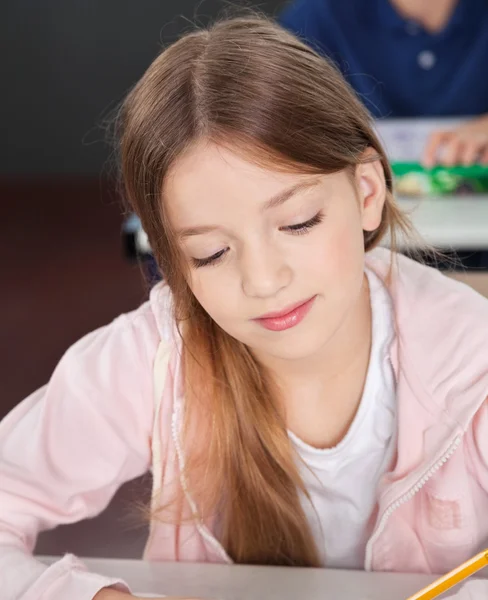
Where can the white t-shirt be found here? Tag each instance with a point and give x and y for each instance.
(342, 481)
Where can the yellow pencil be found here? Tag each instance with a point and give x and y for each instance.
(448, 581)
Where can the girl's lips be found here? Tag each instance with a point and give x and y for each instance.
(287, 318)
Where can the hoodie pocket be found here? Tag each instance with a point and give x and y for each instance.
(447, 524)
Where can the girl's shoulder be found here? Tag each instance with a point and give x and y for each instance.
(441, 322)
(151, 324)
(160, 308)
(126, 347)
(415, 285)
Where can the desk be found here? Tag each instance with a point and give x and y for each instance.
(450, 222)
(223, 582)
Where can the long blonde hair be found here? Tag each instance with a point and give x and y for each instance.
(246, 83)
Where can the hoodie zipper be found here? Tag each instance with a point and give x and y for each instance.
(405, 498)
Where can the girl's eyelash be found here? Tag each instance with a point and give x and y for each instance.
(210, 260)
(301, 228)
(298, 229)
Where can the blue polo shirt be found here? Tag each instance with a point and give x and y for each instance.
(397, 67)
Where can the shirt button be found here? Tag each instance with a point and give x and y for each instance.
(426, 59)
(412, 28)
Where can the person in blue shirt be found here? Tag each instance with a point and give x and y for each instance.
(409, 58)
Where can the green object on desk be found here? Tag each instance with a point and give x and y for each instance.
(412, 179)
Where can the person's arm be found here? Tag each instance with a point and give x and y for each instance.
(66, 449)
(477, 448)
(464, 145)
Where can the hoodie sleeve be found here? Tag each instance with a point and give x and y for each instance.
(478, 446)
(66, 449)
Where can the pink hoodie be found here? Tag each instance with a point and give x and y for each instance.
(112, 410)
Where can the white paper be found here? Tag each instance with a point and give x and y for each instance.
(404, 139)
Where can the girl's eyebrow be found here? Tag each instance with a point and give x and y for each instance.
(276, 200)
(199, 230)
(281, 197)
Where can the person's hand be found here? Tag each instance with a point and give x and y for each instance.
(112, 594)
(465, 145)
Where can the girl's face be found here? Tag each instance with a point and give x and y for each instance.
(261, 241)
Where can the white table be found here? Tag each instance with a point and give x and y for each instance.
(222, 582)
(450, 222)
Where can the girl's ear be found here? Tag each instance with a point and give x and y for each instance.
(370, 180)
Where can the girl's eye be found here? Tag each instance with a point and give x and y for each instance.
(298, 229)
(210, 260)
(301, 228)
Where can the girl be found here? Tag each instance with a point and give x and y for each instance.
(301, 397)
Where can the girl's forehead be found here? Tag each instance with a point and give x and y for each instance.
(208, 173)
(221, 166)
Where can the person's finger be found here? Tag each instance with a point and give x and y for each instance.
(432, 147)
(483, 158)
(451, 152)
(471, 151)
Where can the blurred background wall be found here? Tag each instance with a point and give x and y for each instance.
(65, 63)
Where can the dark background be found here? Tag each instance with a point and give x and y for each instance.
(64, 65)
